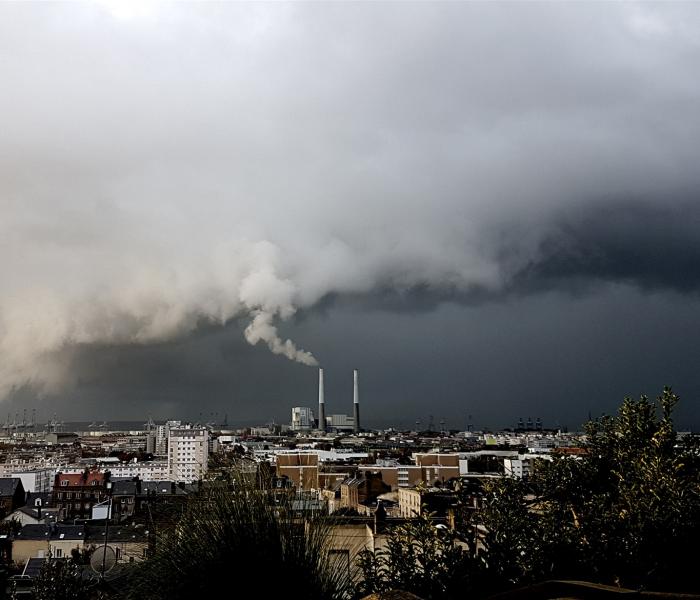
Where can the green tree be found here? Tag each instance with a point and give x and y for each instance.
(419, 558)
(62, 579)
(626, 512)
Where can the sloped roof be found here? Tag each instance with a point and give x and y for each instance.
(119, 533)
(34, 513)
(80, 478)
(160, 488)
(8, 485)
(124, 488)
(33, 496)
(51, 532)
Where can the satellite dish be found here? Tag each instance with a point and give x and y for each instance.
(103, 560)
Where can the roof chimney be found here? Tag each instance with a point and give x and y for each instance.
(356, 401)
(321, 403)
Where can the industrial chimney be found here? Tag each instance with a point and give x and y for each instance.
(356, 401)
(321, 403)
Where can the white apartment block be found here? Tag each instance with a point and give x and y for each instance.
(523, 465)
(37, 480)
(156, 470)
(162, 436)
(517, 467)
(188, 453)
(15, 465)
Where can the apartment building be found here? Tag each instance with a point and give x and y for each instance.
(154, 470)
(162, 432)
(188, 453)
(76, 493)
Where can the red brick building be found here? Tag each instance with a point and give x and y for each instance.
(76, 493)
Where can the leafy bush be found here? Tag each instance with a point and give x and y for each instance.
(62, 579)
(418, 558)
(248, 542)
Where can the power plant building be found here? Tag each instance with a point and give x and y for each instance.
(340, 423)
(302, 418)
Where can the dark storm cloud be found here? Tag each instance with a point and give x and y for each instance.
(651, 246)
(648, 245)
(168, 165)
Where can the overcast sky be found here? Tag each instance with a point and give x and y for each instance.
(489, 209)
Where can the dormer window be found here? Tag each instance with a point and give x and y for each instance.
(93, 482)
(64, 482)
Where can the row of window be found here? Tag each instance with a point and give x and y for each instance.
(78, 495)
(65, 482)
(76, 506)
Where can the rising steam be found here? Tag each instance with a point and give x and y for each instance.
(261, 328)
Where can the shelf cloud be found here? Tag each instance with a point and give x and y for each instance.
(182, 164)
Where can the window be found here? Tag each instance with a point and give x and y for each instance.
(58, 553)
(118, 552)
(64, 482)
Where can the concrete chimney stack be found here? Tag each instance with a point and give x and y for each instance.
(321, 403)
(356, 400)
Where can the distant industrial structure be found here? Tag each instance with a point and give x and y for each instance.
(303, 416)
(356, 400)
(321, 403)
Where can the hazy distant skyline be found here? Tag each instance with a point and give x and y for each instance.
(489, 209)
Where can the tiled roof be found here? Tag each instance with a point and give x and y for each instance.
(81, 478)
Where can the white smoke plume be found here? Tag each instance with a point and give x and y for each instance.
(262, 329)
(166, 164)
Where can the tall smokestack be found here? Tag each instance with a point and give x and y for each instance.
(356, 400)
(321, 403)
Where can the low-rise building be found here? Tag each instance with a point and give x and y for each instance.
(129, 543)
(362, 490)
(40, 541)
(301, 468)
(417, 501)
